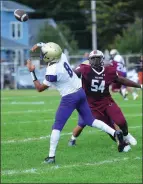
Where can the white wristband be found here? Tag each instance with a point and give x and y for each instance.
(33, 75)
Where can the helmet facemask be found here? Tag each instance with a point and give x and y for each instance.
(43, 55)
(96, 62)
(112, 56)
(96, 58)
(113, 53)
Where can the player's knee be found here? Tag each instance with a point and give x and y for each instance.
(81, 125)
(57, 126)
(121, 121)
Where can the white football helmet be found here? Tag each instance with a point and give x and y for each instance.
(96, 58)
(114, 52)
(51, 52)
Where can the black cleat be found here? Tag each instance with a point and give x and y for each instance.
(119, 139)
(50, 160)
(72, 142)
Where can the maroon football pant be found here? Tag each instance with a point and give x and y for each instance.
(110, 115)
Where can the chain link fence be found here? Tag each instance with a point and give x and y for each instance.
(14, 76)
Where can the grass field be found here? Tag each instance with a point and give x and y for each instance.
(26, 120)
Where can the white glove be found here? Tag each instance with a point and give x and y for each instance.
(40, 44)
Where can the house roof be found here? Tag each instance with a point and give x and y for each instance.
(35, 25)
(10, 44)
(11, 6)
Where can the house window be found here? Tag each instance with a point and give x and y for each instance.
(13, 30)
(19, 57)
(10, 55)
(19, 30)
(16, 30)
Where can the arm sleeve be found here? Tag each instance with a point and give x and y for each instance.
(47, 83)
(51, 74)
(78, 71)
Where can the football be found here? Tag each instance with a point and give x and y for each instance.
(21, 15)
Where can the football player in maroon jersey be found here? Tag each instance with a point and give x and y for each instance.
(96, 79)
(119, 63)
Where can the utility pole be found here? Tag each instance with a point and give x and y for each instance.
(93, 15)
(142, 45)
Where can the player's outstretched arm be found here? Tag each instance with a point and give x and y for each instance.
(127, 82)
(77, 71)
(40, 87)
(40, 44)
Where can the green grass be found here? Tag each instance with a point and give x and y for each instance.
(95, 159)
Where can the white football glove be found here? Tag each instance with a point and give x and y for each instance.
(40, 44)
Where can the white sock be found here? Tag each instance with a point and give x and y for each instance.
(54, 139)
(101, 125)
(123, 91)
(73, 138)
(134, 94)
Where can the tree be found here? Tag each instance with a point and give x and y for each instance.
(131, 39)
(64, 38)
(112, 17)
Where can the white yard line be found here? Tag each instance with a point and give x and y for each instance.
(32, 102)
(48, 136)
(29, 111)
(25, 103)
(13, 97)
(50, 120)
(33, 111)
(49, 102)
(25, 97)
(56, 167)
(134, 127)
(133, 115)
(32, 139)
(130, 105)
(36, 121)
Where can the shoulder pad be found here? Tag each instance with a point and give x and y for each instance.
(86, 62)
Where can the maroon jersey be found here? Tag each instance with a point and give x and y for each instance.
(96, 84)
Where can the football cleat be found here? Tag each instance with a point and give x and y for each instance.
(119, 139)
(49, 160)
(130, 139)
(126, 148)
(72, 142)
(135, 96)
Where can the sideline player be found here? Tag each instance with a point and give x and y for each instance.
(60, 74)
(119, 63)
(96, 80)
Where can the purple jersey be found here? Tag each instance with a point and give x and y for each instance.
(96, 84)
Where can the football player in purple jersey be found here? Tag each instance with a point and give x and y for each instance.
(96, 79)
(60, 74)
